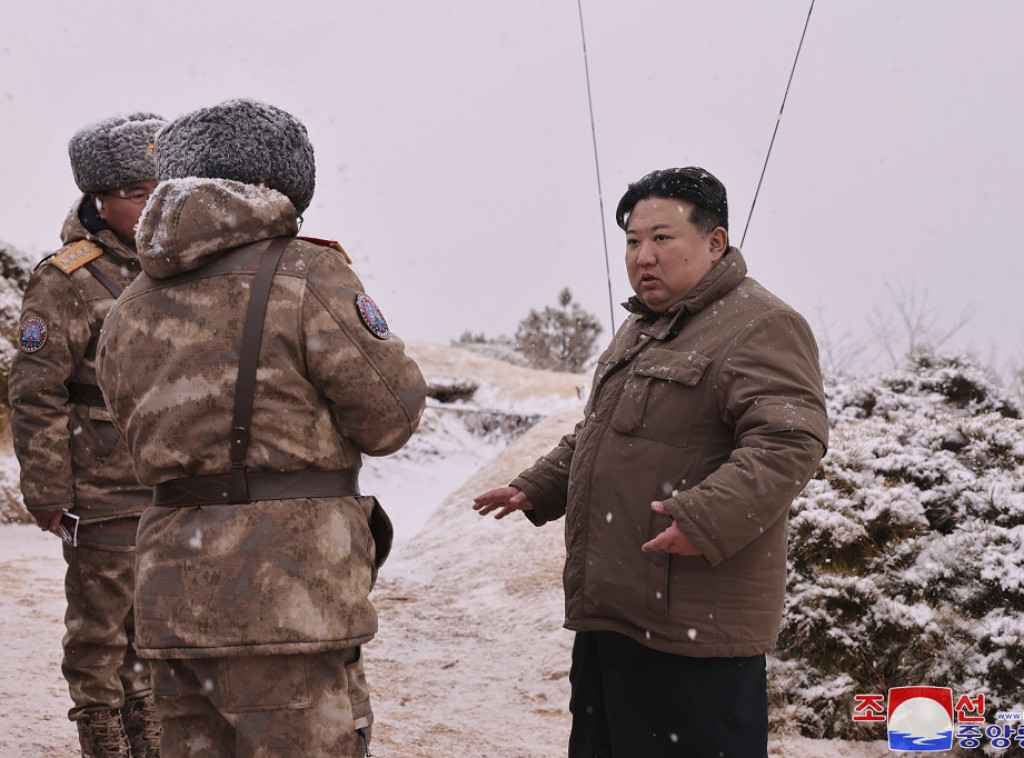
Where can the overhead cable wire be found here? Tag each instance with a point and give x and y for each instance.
(777, 122)
(597, 168)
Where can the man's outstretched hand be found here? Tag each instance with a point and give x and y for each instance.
(504, 500)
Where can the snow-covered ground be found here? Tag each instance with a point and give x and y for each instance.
(471, 659)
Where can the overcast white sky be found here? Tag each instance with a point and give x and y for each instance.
(454, 150)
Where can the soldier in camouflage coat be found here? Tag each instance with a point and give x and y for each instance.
(71, 455)
(253, 613)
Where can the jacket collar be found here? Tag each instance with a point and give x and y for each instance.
(724, 276)
(190, 222)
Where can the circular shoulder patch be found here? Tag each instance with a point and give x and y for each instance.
(32, 334)
(372, 318)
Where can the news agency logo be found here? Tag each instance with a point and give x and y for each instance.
(928, 719)
(920, 719)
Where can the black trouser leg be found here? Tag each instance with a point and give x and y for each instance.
(629, 701)
(589, 736)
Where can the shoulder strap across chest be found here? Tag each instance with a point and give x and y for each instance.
(245, 386)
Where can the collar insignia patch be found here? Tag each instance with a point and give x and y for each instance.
(328, 243)
(73, 257)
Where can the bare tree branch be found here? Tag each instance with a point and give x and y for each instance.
(919, 324)
(842, 354)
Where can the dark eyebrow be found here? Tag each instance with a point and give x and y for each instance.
(655, 228)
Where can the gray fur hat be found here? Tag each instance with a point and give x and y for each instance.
(243, 140)
(115, 151)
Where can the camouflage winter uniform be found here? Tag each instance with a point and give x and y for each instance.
(72, 456)
(282, 578)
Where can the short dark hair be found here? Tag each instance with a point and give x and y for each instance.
(693, 184)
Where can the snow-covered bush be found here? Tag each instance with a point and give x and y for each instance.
(502, 348)
(15, 278)
(16, 270)
(559, 339)
(906, 550)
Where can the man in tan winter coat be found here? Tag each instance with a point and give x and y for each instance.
(706, 418)
(257, 558)
(71, 455)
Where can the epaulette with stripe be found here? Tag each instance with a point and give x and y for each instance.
(328, 243)
(71, 258)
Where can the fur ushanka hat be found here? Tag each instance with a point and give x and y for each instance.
(243, 140)
(114, 152)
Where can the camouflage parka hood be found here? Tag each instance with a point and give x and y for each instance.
(189, 222)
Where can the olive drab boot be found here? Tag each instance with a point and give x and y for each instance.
(102, 735)
(142, 726)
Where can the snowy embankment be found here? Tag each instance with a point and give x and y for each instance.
(471, 659)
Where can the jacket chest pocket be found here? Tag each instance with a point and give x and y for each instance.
(661, 396)
(94, 439)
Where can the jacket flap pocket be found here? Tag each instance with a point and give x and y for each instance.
(99, 414)
(671, 366)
